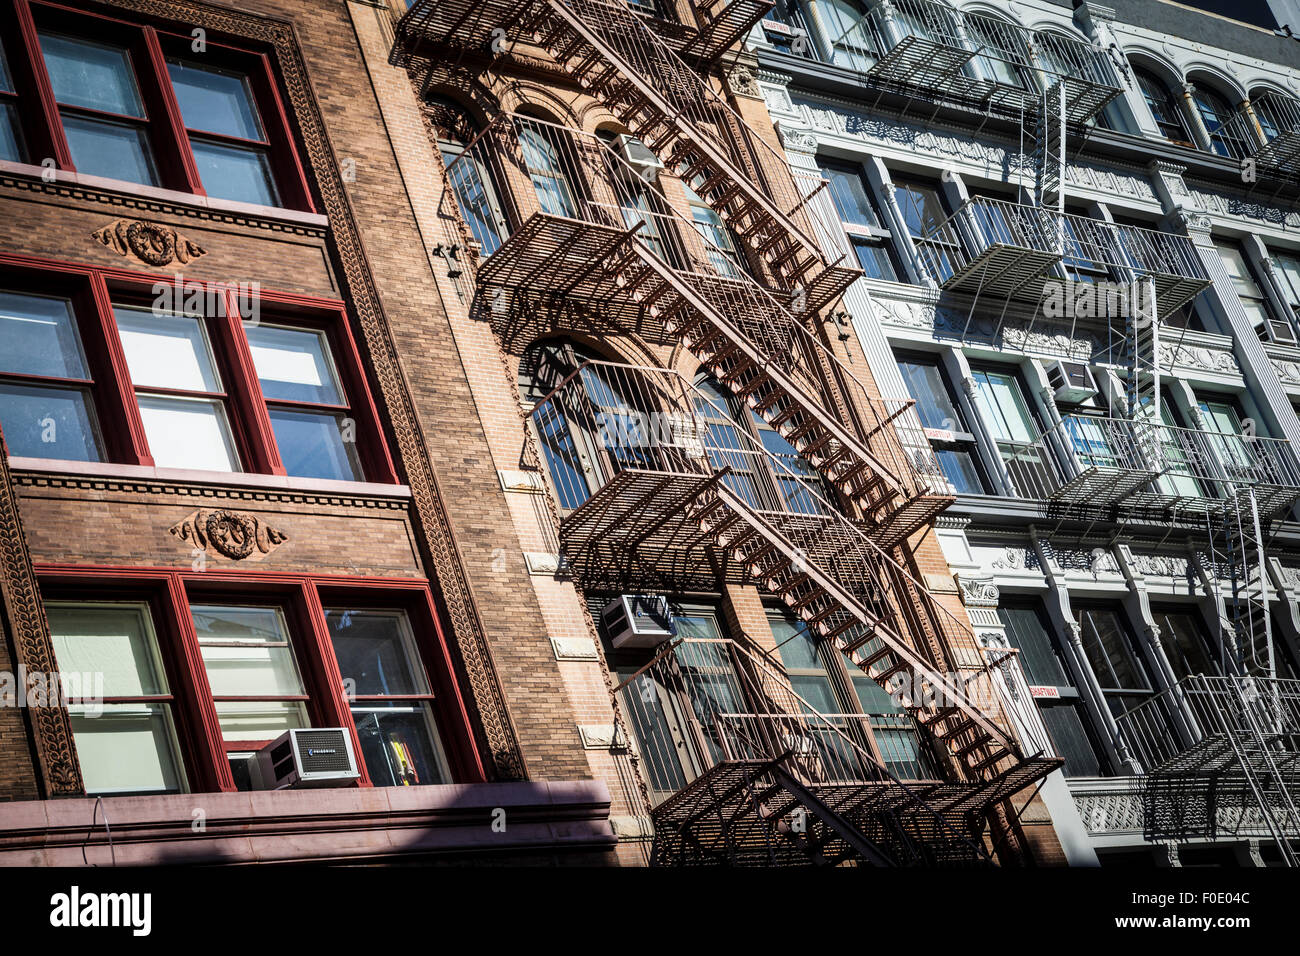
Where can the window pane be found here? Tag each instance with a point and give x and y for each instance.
(246, 651)
(94, 75)
(1070, 737)
(188, 433)
(235, 172)
(1105, 641)
(376, 652)
(115, 640)
(400, 745)
(43, 422)
(38, 336)
(6, 81)
(873, 698)
(315, 445)
(111, 150)
(214, 100)
(1027, 631)
(11, 139)
(293, 365)
(848, 189)
(259, 720)
(796, 646)
(926, 385)
(958, 466)
(1183, 641)
(128, 748)
(167, 351)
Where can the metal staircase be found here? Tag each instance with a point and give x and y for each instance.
(1237, 551)
(659, 499)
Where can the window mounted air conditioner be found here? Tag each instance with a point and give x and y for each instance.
(638, 620)
(637, 155)
(1071, 382)
(306, 758)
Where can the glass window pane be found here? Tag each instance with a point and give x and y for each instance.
(1027, 631)
(873, 698)
(376, 652)
(112, 150)
(958, 466)
(926, 385)
(97, 76)
(1105, 641)
(400, 744)
(167, 351)
(293, 364)
(115, 640)
(316, 445)
(246, 651)
(1066, 728)
(6, 81)
(214, 100)
(127, 748)
(258, 720)
(235, 172)
(188, 433)
(38, 336)
(848, 189)
(1183, 639)
(44, 422)
(797, 648)
(11, 137)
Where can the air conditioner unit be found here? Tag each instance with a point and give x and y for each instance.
(300, 759)
(1072, 382)
(638, 620)
(637, 155)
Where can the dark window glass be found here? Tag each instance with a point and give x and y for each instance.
(1164, 106)
(1183, 638)
(951, 439)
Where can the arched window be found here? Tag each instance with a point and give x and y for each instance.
(636, 189)
(1006, 50)
(1218, 116)
(468, 175)
(1164, 107)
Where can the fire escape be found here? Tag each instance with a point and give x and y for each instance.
(678, 505)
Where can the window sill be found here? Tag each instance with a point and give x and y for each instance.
(113, 470)
(157, 194)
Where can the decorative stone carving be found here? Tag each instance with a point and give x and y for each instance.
(1159, 565)
(744, 83)
(978, 593)
(232, 534)
(1013, 559)
(151, 243)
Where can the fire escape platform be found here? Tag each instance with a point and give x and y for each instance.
(563, 259)
(1001, 270)
(724, 28)
(467, 24)
(639, 525)
(1282, 153)
(1175, 291)
(1102, 486)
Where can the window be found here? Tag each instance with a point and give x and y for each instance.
(314, 431)
(924, 212)
(11, 134)
(1218, 118)
(950, 437)
(853, 40)
(195, 672)
(719, 247)
(46, 406)
(103, 116)
(1002, 402)
(1185, 643)
(469, 177)
(543, 153)
(870, 717)
(139, 383)
(1248, 291)
(1164, 106)
(1225, 433)
(1060, 707)
(1086, 241)
(225, 132)
(389, 696)
(252, 673)
(1286, 268)
(851, 194)
(133, 103)
(1115, 661)
(178, 389)
(1006, 50)
(123, 728)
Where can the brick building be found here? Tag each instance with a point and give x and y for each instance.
(471, 377)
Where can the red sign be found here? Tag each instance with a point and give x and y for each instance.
(1042, 690)
(938, 434)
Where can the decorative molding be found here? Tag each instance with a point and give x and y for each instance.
(743, 82)
(148, 242)
(51, 728)
(978, 592)
(575, 649)
(232, 534)
(545, 563)
(600, 736)
(523, 482)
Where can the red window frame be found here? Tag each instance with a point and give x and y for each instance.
(94, 291)
(149, 46)
(169, 594)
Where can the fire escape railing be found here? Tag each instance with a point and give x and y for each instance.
(1000, 247)
(1094, 460)
(930, 47)
(1266, 130)
(544, 171)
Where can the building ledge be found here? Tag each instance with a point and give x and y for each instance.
(355, 824)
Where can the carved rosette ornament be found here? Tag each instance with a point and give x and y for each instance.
(232, 534)
(150, 242)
